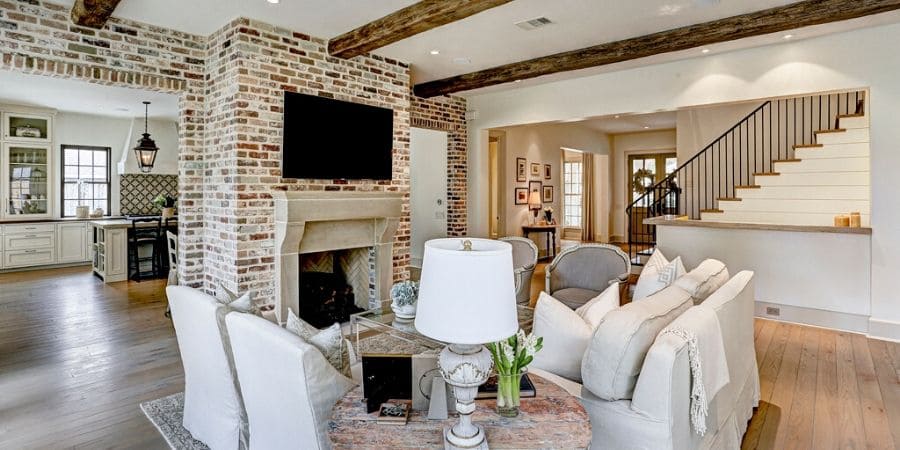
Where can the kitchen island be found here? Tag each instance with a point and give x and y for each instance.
(110, 246)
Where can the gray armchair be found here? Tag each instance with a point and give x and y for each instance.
(580, 273)
(525, 255)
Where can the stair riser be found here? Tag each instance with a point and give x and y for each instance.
(807, 192)
(796, 206)
(816, 179)
(778, 218)
(824, 165)
(846, 137)
(857, 150)
(854, 122)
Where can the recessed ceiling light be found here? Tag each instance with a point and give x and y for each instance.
(462, 61)
(617, 116)
(518, 81)
(274, 2)
(646, 127)
(788, 36)
(435, 52)
(705, 50)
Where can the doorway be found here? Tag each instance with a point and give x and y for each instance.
(428, 189)
(645, 170)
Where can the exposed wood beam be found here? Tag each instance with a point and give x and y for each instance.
(93, 13)
(789, 17)
(409, 21)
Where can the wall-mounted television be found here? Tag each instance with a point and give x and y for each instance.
(326, 138)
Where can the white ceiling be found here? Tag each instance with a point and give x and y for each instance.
(320, 18)
(81, 97)
(632, 123)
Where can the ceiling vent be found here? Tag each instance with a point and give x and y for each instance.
(533, 24)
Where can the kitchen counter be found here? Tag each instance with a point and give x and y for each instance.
(110, 224)
(58, 220)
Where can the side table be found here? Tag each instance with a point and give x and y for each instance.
(550, 231)
(553, 419)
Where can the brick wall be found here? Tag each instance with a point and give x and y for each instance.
(448, 114)
(231, 91)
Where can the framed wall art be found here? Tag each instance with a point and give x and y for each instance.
(548, 171)
(534, 186)
(548, 194)
(535, 170)
(521, 169)
(521, 196)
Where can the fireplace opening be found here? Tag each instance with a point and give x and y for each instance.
(334, 285)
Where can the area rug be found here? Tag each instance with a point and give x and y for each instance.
(166, 415)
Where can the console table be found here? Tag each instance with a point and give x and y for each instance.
(553, 419)
(550, 231)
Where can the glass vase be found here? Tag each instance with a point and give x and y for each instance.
(508, 394)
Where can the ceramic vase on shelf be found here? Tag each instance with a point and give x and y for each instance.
(403, 299)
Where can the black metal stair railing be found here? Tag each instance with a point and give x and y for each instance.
(768, 134)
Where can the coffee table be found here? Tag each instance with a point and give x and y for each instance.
(553, 419)
(380, 331)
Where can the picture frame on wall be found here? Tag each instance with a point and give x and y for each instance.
(521, 196)
(521, 169)
(535, 170)
(548, 171)
(548, 194)
(533, 186)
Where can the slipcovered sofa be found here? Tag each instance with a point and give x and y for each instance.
(654, 411)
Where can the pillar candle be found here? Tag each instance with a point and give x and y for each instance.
(855, 220)
(842, 220)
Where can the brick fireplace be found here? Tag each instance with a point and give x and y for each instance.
(343, 223)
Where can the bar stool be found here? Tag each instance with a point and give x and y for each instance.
(172, 247)
(144, 237)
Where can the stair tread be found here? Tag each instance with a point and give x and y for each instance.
(711, 210)
(808, 146)
(766, 174)
(749, 186)
(787, 160)
(730, 199)
(850, 116)
(835, 130)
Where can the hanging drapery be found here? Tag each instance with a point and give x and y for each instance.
(587, 197)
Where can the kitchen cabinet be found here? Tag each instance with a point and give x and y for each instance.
(27, 183)
(110, 251)
(71, 243)
(27, 127)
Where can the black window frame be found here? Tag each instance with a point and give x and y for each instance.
(62, 176)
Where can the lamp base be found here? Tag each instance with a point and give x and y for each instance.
(465, 367)
(448, 446)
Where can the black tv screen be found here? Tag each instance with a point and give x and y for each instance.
(332, 139)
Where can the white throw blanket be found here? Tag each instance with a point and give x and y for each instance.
(699, 327)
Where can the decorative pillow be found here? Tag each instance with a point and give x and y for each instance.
(658, 273)
(240, 303)
(616, 351)
(566, 332)
(705, 279)
(330, 341)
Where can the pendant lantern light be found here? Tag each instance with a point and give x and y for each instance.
(146, 148)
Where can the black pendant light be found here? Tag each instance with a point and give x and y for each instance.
(146, 148)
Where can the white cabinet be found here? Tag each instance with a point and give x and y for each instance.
(27, 184)
(71, 243)
(31, 257)
(27, 127)
(110, 253)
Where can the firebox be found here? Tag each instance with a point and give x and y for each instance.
(335, 284)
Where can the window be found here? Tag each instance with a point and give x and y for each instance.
(85, 178)
(572, 185)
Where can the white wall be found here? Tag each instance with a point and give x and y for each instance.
(855, 59)
(541, 144)
(631, 144)
(101, 131)
(428, 189)
(698, 127)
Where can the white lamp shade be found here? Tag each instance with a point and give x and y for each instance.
(467, 296)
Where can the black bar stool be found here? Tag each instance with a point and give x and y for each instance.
(143, 237)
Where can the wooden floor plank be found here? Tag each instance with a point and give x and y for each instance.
(851, 433)
(774, 431)
(888, 383)
(826, 414)
(875, 420)
(768, 373)
(800, 420)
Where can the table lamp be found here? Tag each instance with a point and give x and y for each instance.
(466, 299)
(535, 203)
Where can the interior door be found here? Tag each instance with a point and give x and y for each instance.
(428, 189)
(646, 170)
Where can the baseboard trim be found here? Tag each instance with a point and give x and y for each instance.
(884, 329)
(816, 317)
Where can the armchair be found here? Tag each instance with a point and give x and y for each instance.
(580, 273)
(525, 256)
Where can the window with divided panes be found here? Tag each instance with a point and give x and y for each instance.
(85, 178)
(572, 185)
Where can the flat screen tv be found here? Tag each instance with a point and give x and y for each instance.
(332, 139)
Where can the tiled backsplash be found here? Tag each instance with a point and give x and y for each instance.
(137, 191)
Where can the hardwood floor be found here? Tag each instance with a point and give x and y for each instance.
(78, 356)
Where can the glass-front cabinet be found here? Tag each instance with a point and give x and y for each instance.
(23, 127)
(27, 186)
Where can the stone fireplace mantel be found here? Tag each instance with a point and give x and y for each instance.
(318, 221)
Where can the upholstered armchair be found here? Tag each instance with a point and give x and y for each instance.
(580, 273)
(525, 256)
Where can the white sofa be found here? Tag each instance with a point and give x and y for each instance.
(656, 415)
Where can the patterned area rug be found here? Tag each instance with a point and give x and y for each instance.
(166, 415)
